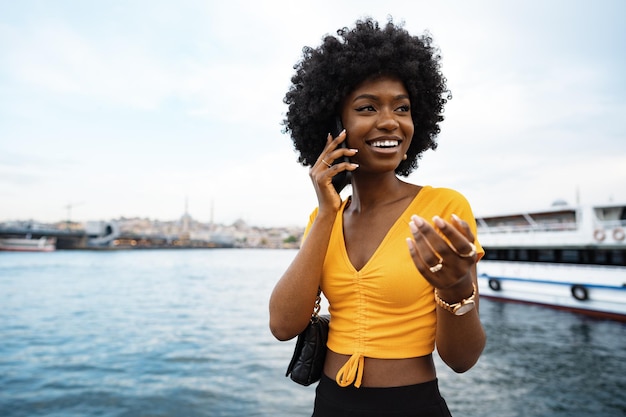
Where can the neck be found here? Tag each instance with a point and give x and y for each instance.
(372, 191)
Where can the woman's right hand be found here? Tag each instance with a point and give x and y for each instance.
(323, 171)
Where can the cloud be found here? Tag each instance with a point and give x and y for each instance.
(133, 107)
(57, 59)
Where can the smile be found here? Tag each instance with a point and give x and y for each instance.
(384, 143)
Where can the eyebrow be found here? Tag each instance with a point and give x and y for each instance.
(375, 97)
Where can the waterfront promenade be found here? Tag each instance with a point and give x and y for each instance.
(141, 233)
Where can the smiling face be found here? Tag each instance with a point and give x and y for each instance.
(377, 118)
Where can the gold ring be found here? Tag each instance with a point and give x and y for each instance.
(437, 267)
(469, 254)
(327, 164)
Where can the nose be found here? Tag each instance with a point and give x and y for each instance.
(387, 121)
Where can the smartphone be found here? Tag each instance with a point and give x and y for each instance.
(344, 177)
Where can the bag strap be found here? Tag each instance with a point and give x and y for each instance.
(318, 306)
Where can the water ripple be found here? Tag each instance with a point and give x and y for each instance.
(185, 333)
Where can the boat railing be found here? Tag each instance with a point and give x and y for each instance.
(611, 224)
(527, 228)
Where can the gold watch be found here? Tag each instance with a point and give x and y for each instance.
(460, 308)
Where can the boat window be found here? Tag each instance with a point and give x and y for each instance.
(584, 257)
(491, 254)
(599, 257)
(523, 255)
(545, 255)
(569, 256)
(618, 257)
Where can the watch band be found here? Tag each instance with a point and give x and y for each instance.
(464, 306)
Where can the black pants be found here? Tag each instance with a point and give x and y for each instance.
(420, 400)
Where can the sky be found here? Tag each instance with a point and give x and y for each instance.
(148, 108)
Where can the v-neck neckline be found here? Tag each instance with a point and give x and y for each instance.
(382, 243)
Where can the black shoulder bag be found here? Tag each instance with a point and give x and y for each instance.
(307, 363)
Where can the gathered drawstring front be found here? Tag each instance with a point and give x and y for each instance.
(351, 371)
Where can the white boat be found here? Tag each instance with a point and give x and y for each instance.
(28, 244)
(571, 258)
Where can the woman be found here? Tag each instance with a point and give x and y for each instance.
(396, 261)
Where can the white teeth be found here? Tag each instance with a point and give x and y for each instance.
(385, 143)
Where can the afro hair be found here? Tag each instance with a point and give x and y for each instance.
(327, 74)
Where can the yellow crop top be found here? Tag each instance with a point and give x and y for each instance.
(386, 310)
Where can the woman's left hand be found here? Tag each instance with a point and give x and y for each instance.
(443, 264)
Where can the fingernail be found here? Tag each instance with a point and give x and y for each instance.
(456, 218)
(439, 222)
(417, 220)
(413, 227)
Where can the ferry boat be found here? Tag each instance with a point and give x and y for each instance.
(566, 257)
(28, 244)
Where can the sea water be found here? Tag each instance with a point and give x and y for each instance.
(185, 333)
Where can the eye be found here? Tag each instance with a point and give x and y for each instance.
(404, 108)
(367, 107)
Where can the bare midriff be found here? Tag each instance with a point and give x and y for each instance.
(382, 373)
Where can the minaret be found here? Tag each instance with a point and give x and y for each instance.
(186, 218)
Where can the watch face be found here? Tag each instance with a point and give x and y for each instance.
(464, 308)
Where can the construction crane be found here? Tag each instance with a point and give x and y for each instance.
(69, 207)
